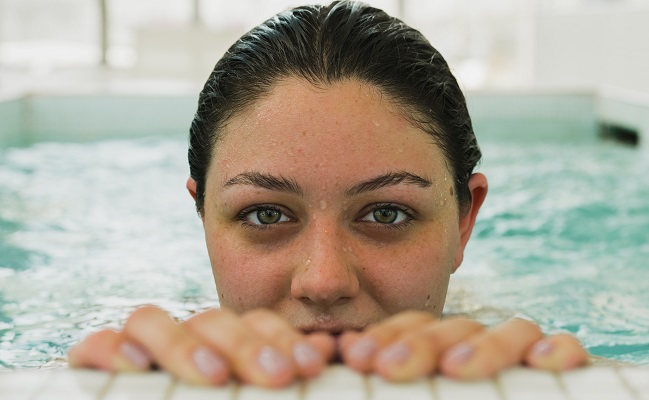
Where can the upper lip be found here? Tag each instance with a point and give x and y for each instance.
(329, 327)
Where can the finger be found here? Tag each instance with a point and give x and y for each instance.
(108, 350)
(252, 358)
(359, 351)
(308, 359)
(416, 354)
(484, 355)
(324, 342)
(174, 348)
(557, 353)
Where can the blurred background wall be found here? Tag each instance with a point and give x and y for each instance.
(491, 44)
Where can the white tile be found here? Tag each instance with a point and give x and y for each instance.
(450, 389)
(336, 382)
(77, 384)
(529, 384)
(183, 391)
(145, 386)
(248, 392)
(381, 389)
(595, 383)
(22, 384)
(637, 379)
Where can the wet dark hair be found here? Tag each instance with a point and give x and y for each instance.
(328, 44)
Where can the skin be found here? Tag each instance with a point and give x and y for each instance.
(340, 268)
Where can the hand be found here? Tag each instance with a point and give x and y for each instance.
(258, 347)
(411, 345)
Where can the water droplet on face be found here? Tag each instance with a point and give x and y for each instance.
(323, 204)
(400, 150)
(324, 318)
(427, 303)
(307, 262)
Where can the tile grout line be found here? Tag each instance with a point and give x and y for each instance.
(626, 384)
(171, 388)
(104, 390)
(561, 384)
(432, 386)
(368, 387)
(498, 383)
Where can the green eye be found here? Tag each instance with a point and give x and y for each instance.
(268, 216)
(385, 215)
(263, 215)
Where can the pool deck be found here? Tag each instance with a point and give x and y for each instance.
(339, 383)
(91, 104)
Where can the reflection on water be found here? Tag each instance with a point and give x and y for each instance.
(90, 231)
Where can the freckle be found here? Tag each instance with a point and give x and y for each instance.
(323, 204)
(303, 133)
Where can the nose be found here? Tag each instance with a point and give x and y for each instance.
(326, 276)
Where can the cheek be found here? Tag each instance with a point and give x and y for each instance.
(245, 279)
(413, 276)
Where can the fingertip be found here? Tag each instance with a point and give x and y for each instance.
(97, 350)
(324, 343)
(131, 357)
(360, 353)
(395, 363)
(346, 339)
(308, 359)
(557, 353)
(277, 370)
(212, 367)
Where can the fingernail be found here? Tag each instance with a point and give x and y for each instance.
(542, 348)
(272, 361)
(135, 355)
(460, 354)
(363, 349)
(395, 354)
(209, 364)
(306, 355)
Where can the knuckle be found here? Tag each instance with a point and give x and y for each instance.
(204, 317)
(144, 313)
(258, 315)
(533, 330)
(467, 325)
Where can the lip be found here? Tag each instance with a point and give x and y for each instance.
(330, 328)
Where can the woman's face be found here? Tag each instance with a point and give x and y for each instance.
(327, 206)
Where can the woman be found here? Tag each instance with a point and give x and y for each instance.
(331, 162)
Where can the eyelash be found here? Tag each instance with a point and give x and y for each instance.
(243, 215)
(409, 217)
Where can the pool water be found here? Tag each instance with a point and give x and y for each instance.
(90, 231)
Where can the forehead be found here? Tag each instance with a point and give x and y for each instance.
(349, 125)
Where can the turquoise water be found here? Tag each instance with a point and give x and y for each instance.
(90, 231)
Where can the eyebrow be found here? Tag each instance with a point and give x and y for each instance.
(283, 184)
(266, 181)
(389, 179)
